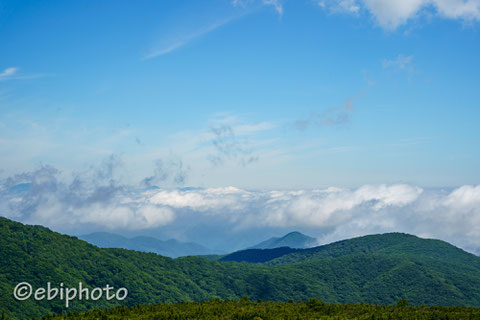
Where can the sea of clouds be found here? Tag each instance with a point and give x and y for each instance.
(96, 199)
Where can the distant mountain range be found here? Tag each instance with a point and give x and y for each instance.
(378, 269)
(170, 248)
(174, 248)
(292, 240)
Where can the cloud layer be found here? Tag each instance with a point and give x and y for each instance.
(95, 199)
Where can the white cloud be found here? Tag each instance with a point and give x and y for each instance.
(7, 73)
(453, 216)
(459, 9)
(390, 14)
(276, 4)
(466, 198)
(12, 74)
(340, 6)
(90, 198)
(97, 200)
(211, 201)
(320, 208)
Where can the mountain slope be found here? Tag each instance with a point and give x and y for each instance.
(170, 248)
(382, 275)
(257, 255)
(390, 244)
(293, 240)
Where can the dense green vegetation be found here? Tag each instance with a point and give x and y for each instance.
(246, 310)
(392, 244)
(257, 255)
(378, 269)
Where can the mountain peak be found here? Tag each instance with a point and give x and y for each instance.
(294, 239)
(294, 233)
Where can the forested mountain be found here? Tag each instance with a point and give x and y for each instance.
(258, 255)
(377, 269)
(170, 248)
(390, 244)
(293, 240)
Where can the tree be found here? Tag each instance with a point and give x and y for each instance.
(402, 303)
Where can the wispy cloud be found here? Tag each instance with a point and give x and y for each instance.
(13, 74)
(343, 6)
(402, 62)
(329, 117)
(173, 169)
(185, 39)
(276, 4)
(8, 73)
(179, 41)
(228, 146)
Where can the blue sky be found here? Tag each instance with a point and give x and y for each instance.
(150, 80)
(335, 117)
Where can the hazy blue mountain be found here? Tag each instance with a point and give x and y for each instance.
(170, 248)
(293, 240)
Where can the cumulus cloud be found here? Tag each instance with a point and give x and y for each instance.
(453, 216)
(390, 14)
(94, 197)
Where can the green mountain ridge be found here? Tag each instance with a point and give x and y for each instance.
(258, 255)
(387, 244)
(380, 269)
